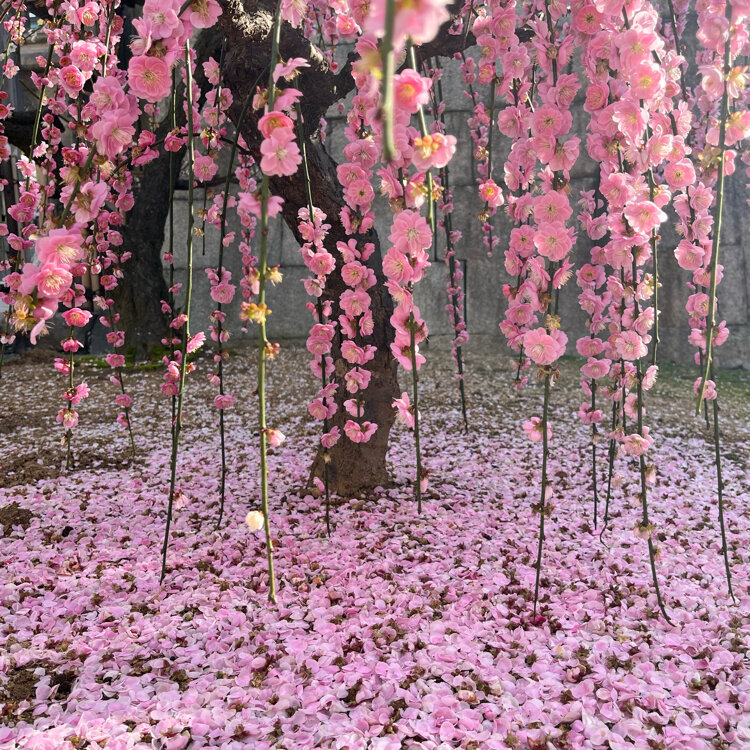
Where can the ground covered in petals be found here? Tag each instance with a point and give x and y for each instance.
(398, 631)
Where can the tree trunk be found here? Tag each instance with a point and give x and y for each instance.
(138, 296)
(353, 467)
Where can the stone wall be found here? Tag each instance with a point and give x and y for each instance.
(485, 276)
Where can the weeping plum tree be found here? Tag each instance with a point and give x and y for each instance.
(119, 114)
(244, 32)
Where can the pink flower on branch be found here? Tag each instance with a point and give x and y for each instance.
(533, 430)
(280, 154)
(544, 348)
(359, 433)
(76, 317)
(149, 78)
(630, 346)
(404, 410)
(411, 91)
(644, 216)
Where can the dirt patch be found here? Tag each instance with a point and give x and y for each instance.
(14, 515)
(17, 470)
(64, 682)
(25, 470)
(21, 685)
(92, 459)
(12, 421)
(8, 423)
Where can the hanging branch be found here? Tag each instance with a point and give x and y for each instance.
(543, 509)
(711, 321)
(424, 133)
(645, 526)
(594, 427)
(112, 318)
(450, 254)
(486, 213)
(454, 294)
(302, 136)
(40, 103)
(720, 490)
(618, 415)
(655, 252)
(611, 453)
(219, 268)
(415, 404)
(219, 265)
(718, 210)
(594, 438)
(171, 297)
(177, 426)
(71, 390)
(262, 341)
(388, 57)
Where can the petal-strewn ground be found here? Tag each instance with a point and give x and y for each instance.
(398, 631)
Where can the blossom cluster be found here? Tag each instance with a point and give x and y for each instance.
(163, 29)
(313, 230)
(73, 196)
(540, 245)
(455, 306)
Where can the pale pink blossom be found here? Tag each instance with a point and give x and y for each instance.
(224, 400)
(76, 317)
(275, 437)
(68, 418)
(410, 232)
(149, 78)
(596, 368)
(552, 240)
(280, 155)
(636, 445)
(203, 13)
(113, 133)
(404, 410)
(60, 245)
(541, 347)
(534, 431)
(630, 346)
(411, 90)
(359, 433)
(644, 216)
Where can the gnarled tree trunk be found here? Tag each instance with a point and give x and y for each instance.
(353, 467)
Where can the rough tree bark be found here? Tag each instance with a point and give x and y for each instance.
(354, 467)
(138, 298)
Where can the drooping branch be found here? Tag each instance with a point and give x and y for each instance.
(369, 458)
